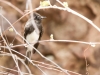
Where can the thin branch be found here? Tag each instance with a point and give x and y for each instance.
(65, 41)
(11, 69)
(10, 51)
(81, 16)
(73, 12)
(5, 73)
(8, 3)
(25, 66)
(87, 73)
(70, 41)
(9, 23)
(54, 67)
(28, 60)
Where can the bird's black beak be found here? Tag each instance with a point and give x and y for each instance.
(43, 17)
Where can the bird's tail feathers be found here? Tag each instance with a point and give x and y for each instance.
(36, 46)
(28, 54)
(33, 51)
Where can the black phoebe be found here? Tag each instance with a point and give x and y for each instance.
(31, 35)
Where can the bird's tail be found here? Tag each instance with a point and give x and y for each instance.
(28, 54)
(36, 46)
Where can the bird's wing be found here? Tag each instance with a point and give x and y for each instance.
(26, 30)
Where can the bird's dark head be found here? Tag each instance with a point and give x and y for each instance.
(38, 18)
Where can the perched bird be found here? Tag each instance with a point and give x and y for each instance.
(31, 35)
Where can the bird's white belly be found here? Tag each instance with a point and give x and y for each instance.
(32, 38)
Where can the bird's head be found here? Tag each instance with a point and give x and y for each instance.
(38, 18)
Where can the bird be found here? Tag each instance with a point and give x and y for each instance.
(31, 36)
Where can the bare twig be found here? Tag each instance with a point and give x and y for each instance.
(8, 3)
(86, 60)
(11, 69)
(10, 51)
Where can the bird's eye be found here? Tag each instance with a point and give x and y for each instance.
(36, 17)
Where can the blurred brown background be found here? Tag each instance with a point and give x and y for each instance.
(64, 26)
